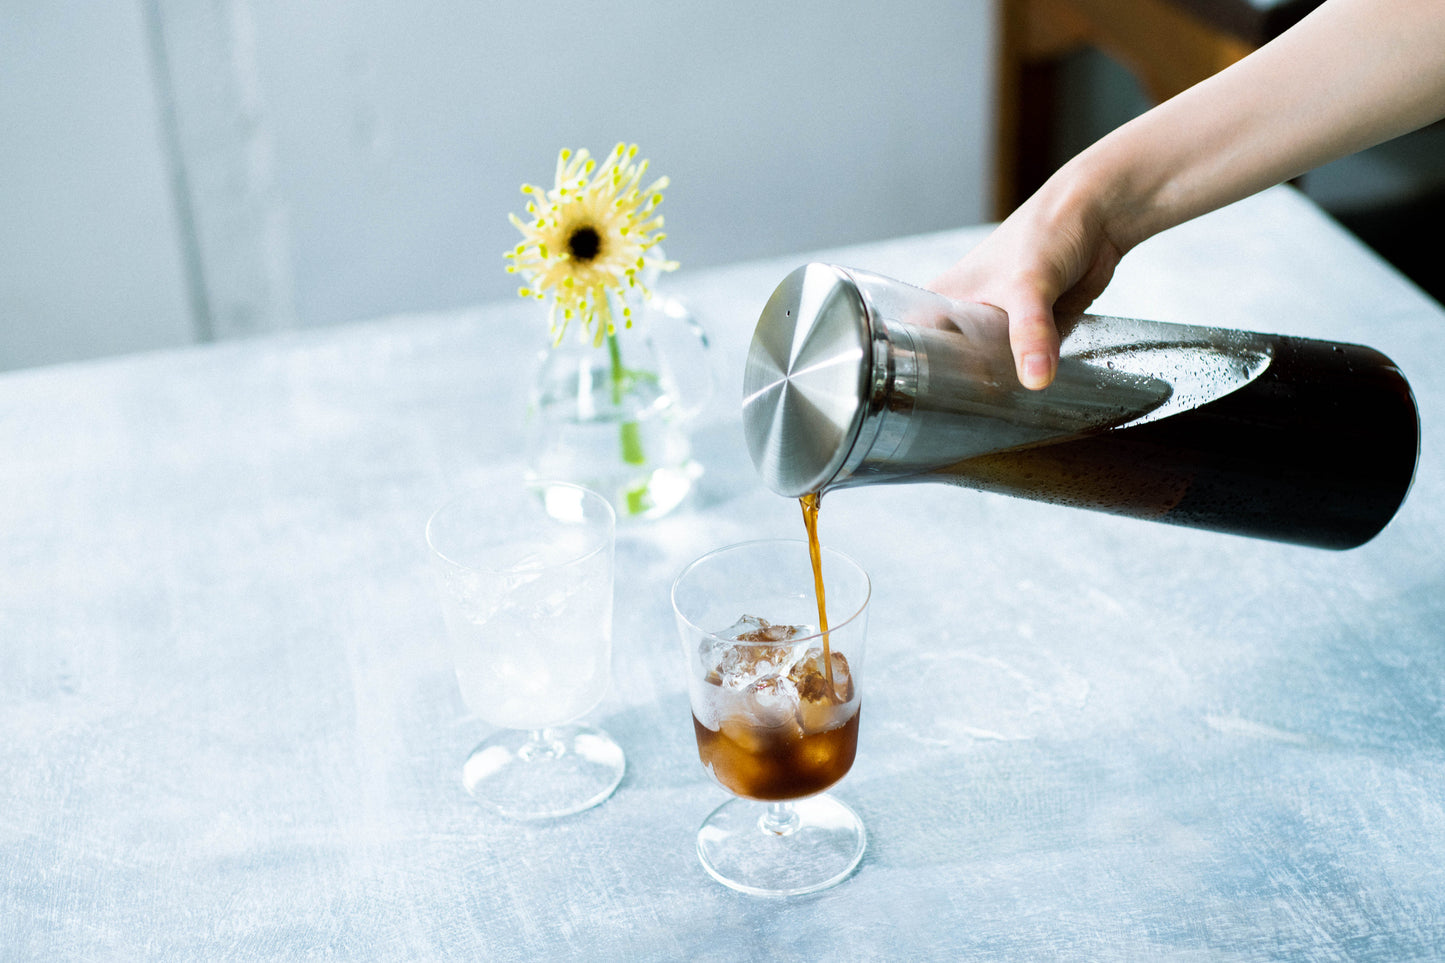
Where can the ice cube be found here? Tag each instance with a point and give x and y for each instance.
(750, 737)
(842, 678)
(772, 701)
(751, 628)
(738, 666)
(736, 768)
(763, 716)
(742, 665)
(710, 706)
(819, 706)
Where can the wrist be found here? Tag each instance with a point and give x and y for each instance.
(1134, 189)
(1093, 199)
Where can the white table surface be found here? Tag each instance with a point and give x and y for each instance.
(230, 730)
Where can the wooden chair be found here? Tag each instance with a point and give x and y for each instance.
(1168, 45)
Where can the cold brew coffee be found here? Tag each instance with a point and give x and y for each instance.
(781, 719)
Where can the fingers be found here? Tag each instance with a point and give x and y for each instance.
(1022, 274)
(1035, 343)
(1033, 335)
(958, 282)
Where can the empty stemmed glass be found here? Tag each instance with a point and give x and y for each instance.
(526, 575)
(776, 720)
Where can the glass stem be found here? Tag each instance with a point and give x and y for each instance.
(779, 820)
(541, 744)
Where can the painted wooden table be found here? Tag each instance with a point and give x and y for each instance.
(231, 730)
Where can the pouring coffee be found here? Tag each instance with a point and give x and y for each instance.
(858, 379)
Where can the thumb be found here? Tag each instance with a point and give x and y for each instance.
(1034, 339)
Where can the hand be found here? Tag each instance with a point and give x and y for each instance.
(1351, 74)
(1050, 259)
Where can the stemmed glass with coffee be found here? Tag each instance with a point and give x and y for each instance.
(775, 700)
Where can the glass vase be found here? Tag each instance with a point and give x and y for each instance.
(615, 418)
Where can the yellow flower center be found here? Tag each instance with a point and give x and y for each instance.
(584, 244)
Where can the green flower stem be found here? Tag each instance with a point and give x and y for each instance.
(631, 432)
(619, 373)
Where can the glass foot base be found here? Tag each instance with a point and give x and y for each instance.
(544, 774)
(781, 849)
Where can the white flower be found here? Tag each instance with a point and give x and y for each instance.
(591, 238)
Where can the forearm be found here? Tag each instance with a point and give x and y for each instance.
(1352, 74)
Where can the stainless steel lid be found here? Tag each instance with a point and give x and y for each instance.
(806, 385)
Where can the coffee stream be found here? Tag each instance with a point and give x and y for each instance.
(810, 503)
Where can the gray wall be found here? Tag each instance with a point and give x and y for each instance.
(89, 255)
(177, 170)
